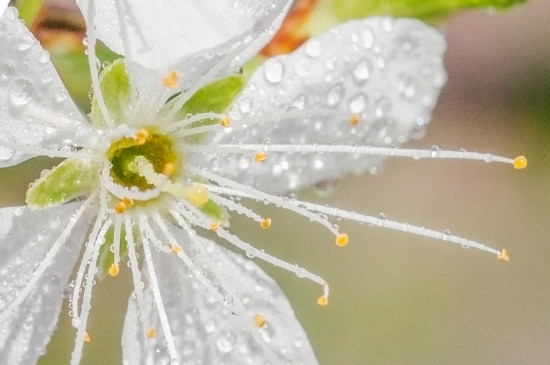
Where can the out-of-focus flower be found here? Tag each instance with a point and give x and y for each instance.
(167, 152)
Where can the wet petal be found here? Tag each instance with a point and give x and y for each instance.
(162, 35)
(25, 238)
(369, 82)
(35, 107)
(205, 331)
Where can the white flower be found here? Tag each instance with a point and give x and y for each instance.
(152, 175)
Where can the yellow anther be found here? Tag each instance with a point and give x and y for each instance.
(114, 270)
(176, 248)
(342, 239)
(259, 320)
(150, 332)
(120, 207)
(214, 226)
(354, 119)
(266, 223)
(322, 301)
(226, 122)
(128, 201)
(87, 338)
(141, 136)
(169, 169)
(171, 80)
(520, 162)
(260, 157)
(197, 195)
(503, 255)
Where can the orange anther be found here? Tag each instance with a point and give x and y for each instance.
(520, 162)
(171, 80)
(503, 255)
(260, 157)
(226, 122)
(354, 119)
(169, 169)
(259, 320)
(128, 201)
(342, 239)
(87, 338)
(141, 136)
(322, 301)
(120, 207)
(150, 332)
(214, 226)
(176, 248)
(114, 270)
(266, 223)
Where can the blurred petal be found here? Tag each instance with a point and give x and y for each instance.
(35, 108)
(25, 238)
(205, 331)
(386, 72)
(163, 34)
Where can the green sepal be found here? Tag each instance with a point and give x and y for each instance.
(215, 97)
(422, 9)
(114, 83)
(106, 258)
(70, 179)
(216, 212)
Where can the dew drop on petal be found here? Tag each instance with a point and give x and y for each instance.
(20, 93)
(334, 95)
(273, 70)
(358, 103)
(313, 48)
(361, 72)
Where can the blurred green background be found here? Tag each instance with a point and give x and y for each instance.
(400, 299)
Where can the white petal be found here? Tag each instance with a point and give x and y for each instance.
(3, 6)
(387, 72)
(25, 238)
(161, 34)
(35, 107)
(205, 331)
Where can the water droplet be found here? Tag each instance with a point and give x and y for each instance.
(225, 342)
(334, 95)
(47, 76)
(20, 93)
(60, 94)
(368, 38)
(245, 105)
(25, 42)
(6, 153)
(361, 72)
(407, 86)
(273, 70)
(358, 103)
(6, 71)
(313, 48)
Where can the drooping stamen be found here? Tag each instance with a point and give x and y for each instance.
(46, 152)
(371, 221)
(519, 162)
(236, 207)
(154, 286)
(190, 120)
(197, 218)
(134, 266)
(116, 240)
(197, 130)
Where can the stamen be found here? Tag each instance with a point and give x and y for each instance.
(141, 136)
(114, 270)
(87, 338)
(259, 320)
(520, 162)
(128, 201)
(120, 207)
(150, 333)
(214, 226)
(266, 223)
(354, 119)
(171, 81)
(342, 239)
(260, 157)
(322, 301)
(192, 119)
(503, 255)
(236, 207)
(226, 122)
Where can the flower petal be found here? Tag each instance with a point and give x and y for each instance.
(25, 238)
(35, 108)
(161, 35)
(207, 332)
(369, 82)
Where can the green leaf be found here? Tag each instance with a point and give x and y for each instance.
(215, 97)
(114, 83)
(106, 258)
(423, 9)
(68, 180)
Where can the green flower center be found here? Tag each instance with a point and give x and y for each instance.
(154, 147)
